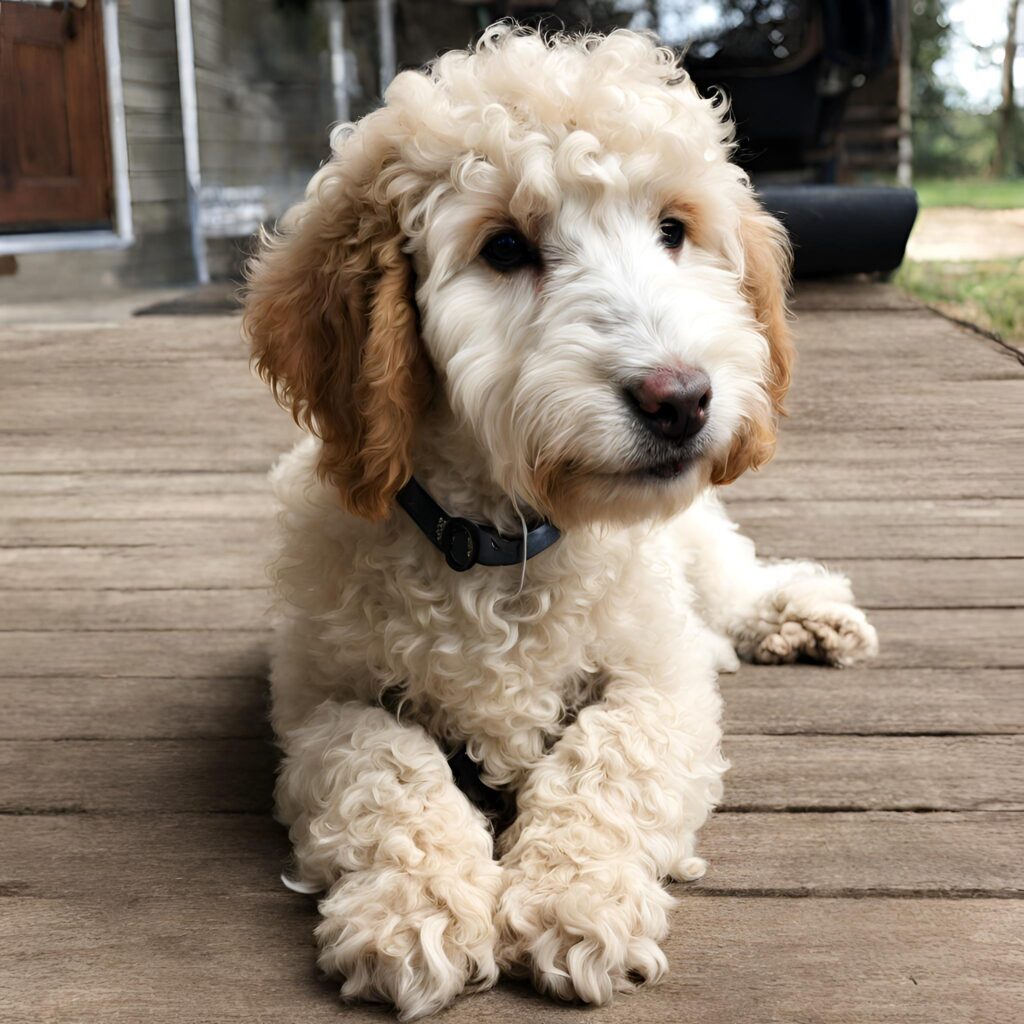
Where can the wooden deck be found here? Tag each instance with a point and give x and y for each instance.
(868, 862)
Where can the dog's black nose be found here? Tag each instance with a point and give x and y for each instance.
(673, 404)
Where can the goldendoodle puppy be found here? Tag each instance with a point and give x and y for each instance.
(531, 316)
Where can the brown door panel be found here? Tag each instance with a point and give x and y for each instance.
(54, 143)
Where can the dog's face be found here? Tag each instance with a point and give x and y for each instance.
(550, 238)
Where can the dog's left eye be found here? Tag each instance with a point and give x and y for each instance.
(508, 250)
(671, 233)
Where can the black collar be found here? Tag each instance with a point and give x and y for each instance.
(465, 543)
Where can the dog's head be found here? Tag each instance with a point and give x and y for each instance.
(546, 235)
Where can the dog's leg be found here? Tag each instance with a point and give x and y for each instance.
(376, 820)
(609, 813)
(772, 612)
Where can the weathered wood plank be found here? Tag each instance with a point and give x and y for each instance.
(907, 701)
(772, 701)
(806, 468)
(768, 773)
(191, 554)
(936, 582)
(146, 776)
(130, 609)
(202, 536)
(954, 638)
(184, 586)
(43, 708)
(908, 475)
(186, 960)
(185, 653)
(815, 528)
(962, 638)
(876, 853)
(849, 295)
(875, 772)
(914, 345)
(130, 567)
(883, 528)
(889, 414)
(109, 454)
(129, 495)
(971, 466)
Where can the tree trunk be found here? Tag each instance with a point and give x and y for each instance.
(1003, 163)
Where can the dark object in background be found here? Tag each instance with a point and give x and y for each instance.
(788, 68)
(839, 229)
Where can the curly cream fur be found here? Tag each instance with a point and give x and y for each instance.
(589, 686)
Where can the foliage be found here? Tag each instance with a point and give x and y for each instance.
(983, 193)
(990, 295)
(949, 138)
(937, 147)
(956, 143)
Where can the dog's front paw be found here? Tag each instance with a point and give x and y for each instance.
(831, 632)
(583, 931)
(413, 942)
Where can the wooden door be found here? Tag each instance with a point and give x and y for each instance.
(54, 138)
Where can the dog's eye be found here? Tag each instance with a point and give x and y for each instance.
(508, 250)
(671, 233)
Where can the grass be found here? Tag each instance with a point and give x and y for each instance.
(990, 295)
(979, 192)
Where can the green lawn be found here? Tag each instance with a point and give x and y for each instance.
(990, 295)
(980, 192)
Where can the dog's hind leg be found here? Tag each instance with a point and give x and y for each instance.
(771, 611)
(375, 819)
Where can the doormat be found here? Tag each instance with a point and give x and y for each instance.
(219, 298)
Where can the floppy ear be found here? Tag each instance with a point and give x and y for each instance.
(331, 319)
(767, 260)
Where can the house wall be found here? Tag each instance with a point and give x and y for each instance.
(265, 106)
(161, 252)
(263, 84)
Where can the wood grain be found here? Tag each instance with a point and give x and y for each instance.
(238, 958)
(228, 855)
(768, 773)
(867, 865)
(940, 638)
(758, 700)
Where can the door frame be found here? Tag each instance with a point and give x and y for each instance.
(121, 234)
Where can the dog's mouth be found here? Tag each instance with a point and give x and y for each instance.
(667, 470)
(660, 464)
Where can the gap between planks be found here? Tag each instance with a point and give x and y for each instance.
(776, 701)
(863, 854)
(770, 773)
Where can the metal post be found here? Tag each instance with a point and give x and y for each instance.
(339, 68)
(905, 144)
(386, 42)
(118, 133)
(190, 131)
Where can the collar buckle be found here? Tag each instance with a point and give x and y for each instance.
(460, 543)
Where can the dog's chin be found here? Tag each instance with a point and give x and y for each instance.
(668, 470)
(657, 490)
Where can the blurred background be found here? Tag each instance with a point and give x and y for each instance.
(142, 142)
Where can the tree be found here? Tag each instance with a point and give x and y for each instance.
(1003, 162)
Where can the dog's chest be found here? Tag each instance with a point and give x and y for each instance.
(484, 647)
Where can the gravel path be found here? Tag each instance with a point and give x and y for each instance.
(961, 233)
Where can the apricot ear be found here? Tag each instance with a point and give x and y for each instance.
(767, 260)
(331, 319)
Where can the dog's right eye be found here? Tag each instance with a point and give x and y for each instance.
(508, 250)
